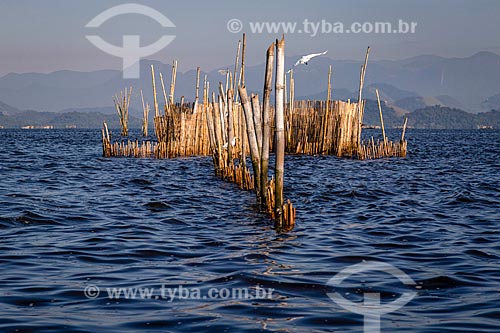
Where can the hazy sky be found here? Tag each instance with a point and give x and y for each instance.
(49, 35)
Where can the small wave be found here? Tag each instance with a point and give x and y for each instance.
(29, 217)
(157, 206)
(140, 181)
(443, 282)
(480, 254)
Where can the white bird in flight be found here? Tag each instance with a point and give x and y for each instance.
(305, 59)
(223, 71)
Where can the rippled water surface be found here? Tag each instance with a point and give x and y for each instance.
(71, 220)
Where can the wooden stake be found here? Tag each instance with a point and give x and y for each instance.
(361, 84)
(292, 91)
(195, 106)
(172, 83)
(280, 130)
(145, 116)
(230, 127)
(167, 105)
(243, 60)
(324, 140)
(266, 112)
(381, 118)
(252, 137)
(404, 130)
(257, 119)
(205, 91)
(236, 69)
(157, 113)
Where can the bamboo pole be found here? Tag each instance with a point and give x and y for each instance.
(252, 137)
(145, 116)
(172, 83)
(280, 130)
(241, 120)
(286, 92)
(154, 91)
(266, 112)
(222, 112)
(243, 60)
(236, 69)
(230, 128)
(324, 140)
(196, 101)
(361, 84)
(381, 119)
(329, 92)
(205, 92)
(404, 130)
(217, 129)
(292, 92)
(167, 105)
(257, 119)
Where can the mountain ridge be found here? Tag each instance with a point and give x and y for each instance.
(469, 80)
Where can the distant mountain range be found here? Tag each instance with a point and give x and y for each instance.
(433, 117)
(11, 117)
(431, 90)
(468, 83)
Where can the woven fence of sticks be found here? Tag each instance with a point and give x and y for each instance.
(323, 128)
(334, 128)
(182, 131)
(312, 128)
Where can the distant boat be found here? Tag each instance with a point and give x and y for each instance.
(38, 127)
(370, 126)
(483, 127)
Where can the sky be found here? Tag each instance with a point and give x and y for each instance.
(46, 36)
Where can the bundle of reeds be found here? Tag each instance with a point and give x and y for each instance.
(121, 105)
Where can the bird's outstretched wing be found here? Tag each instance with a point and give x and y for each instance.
(305, 59)
(314, 55)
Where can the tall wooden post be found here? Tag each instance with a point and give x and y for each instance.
(292, 91)
(236, 70)
(145, 116)
(196, 99)
(326, 122)
(257, 119)
(172, 83)
(154, 91)
(360, 110)
(167, 105)
(280, 130)
(252, 137)
(404, 130)
(243, 59)
(205, 92)
(381, 119)
(230, 127)
(266, 112)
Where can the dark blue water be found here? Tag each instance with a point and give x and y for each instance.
(71, 220)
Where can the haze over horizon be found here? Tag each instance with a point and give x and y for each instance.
(49, 36)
